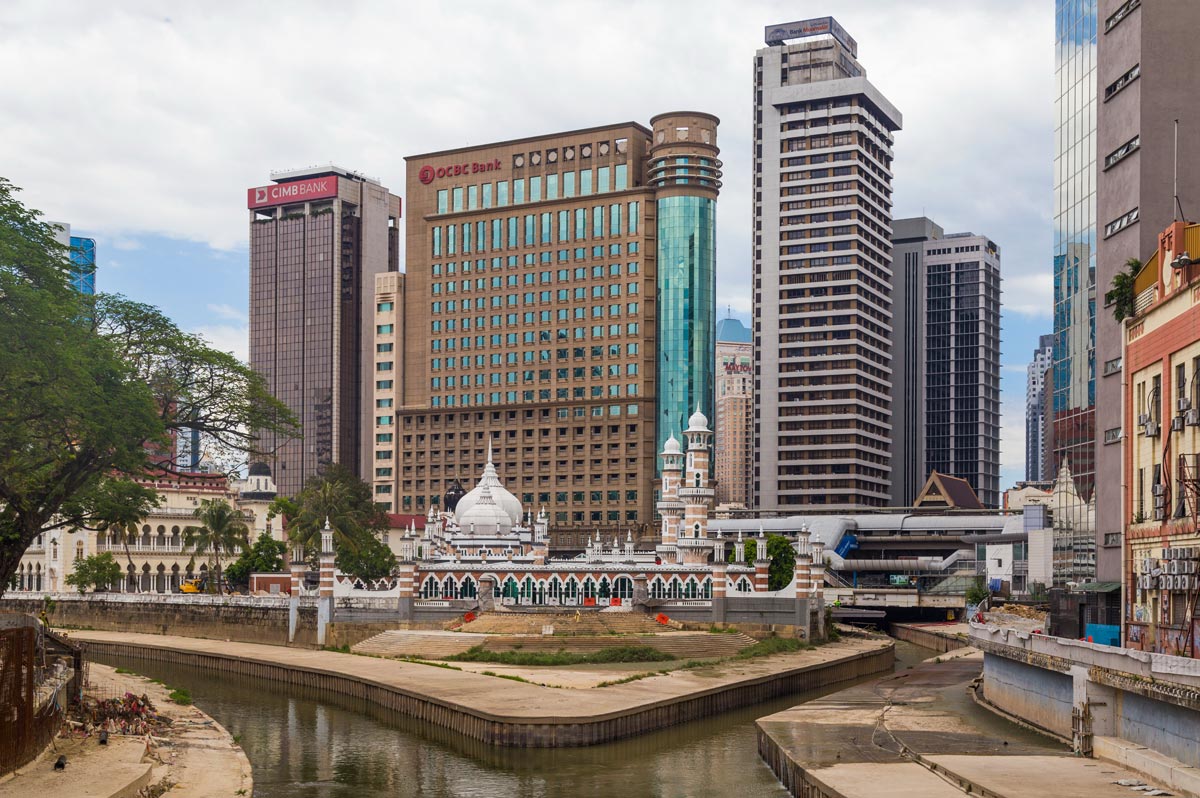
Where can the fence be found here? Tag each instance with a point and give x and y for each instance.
(26, 725)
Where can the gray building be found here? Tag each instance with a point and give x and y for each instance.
(945, 359)
(1147, 71)
(1035, 400)
(822, 272)
(318, 237)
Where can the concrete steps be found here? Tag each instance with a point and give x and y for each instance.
(431, 645)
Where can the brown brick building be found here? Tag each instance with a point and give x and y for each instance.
(530, 318)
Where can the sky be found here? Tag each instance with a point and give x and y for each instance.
(142, 124)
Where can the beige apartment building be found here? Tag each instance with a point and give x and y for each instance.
(734, 428)
(526, 321)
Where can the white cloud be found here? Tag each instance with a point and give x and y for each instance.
(1029, 294)
(227, 338)
(228, 312)
(1012, 441)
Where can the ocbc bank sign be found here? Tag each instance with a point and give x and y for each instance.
(427, 174)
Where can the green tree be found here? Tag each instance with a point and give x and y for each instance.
(783, 560)
(264, 557)
(1122, 295)
(93, 388)
(97, 571)
(221, 529)
(354, 519)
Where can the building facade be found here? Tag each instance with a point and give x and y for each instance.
(946, 360)
(1074, 256)
(822, 272)
(1146, 72)
(318, 237)
(733, 425)
(1161, 469)
(82, 254)
(1035, 401)
(537, 317)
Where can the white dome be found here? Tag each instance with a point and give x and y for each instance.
(698, 422)
(508, 503)
(484, 517)
(672, 446)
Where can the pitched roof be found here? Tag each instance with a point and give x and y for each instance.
(954, 492)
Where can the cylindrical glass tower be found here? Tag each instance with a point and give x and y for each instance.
(686, 173)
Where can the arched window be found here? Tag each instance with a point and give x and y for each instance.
(572, 588)
(430, 587)
(689, 588)
(589, 588)
(449, 589)
(510, 588)
(743, 585)
(674, 588)
(706, 588)
(657, 588)
(527, 587)
(468, 588)
(605, 588)
(623, 587)
(555, 590)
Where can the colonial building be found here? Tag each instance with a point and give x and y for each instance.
(1161, 431)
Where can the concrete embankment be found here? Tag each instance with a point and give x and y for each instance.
(916, 735)
(941, 637)
(504, 712)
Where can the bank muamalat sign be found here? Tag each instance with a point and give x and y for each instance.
(294, 191)
(427, 174)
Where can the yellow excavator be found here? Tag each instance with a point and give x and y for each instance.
(193, 585)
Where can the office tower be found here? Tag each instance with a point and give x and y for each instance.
(83, 258)
(387, 374)
(822, 272)
(1035, 419)
(559, 307)
(1146, 74)
(946, 360)
(318, 237)
(1074, 419)
(734, 441)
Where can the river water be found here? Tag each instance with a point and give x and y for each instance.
(306, 746)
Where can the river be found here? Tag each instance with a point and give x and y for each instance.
(306, 746)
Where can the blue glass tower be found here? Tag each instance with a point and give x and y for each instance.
(686, 173)
(83, 258)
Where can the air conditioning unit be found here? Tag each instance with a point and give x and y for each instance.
(1143, 419)
(1160, 515)
(1177, 424)
(1150, 429)
(1158, 489)
(1160, 502)
(1172, 567)
(1192, 418)
(1183, 403)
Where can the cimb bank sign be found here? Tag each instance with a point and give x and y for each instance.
(295, 191)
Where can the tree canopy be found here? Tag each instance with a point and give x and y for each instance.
(93, 390)
(783, 560)
(264, 557)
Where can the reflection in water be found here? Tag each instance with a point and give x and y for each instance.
(332, 747)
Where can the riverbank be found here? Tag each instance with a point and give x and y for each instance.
(192, 756)
(916, 732)
(506, 712)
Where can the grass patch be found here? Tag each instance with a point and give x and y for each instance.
(344, 648)
(125, 671)
(631, 678)
(773, 645)
(717, 630)
(180, 696)
(562, 657)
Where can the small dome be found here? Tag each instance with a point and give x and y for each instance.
(258, 470)
(698, 422)
(485, 517)
(672, 446)
(507, 502)
(453, 495)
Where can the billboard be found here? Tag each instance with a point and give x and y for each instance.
(294, 191)
(778, 34)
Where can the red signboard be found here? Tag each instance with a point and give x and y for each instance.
(294, 191)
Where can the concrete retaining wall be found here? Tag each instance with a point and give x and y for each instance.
(927, 638)
(499, 730)
(1040, 697)
(1161, 727)
(243, 624)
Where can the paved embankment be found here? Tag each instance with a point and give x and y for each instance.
(505, 712)
(935, 636)
(913, 735)
(192, 757)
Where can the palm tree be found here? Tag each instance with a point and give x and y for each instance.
(1122, 295)
(221, 529)
(325, 500)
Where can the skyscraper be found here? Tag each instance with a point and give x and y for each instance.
(1146, 74)
(733, 439)
(318, 237)
(559, 301)
(1035, 400)
(822, 272)
(1074, 372)
(83, 258)
(946, 359)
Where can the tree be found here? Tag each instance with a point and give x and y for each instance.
(1122, 295)
(369, 559)
(93, 390)
(783, 560)
(221, 529)
(265, 556)
(346, 502)
(97, 571)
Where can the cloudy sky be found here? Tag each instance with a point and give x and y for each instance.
(143, 123)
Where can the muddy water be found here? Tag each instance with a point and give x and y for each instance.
(311, 746)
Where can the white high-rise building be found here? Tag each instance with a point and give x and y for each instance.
(1035, 407)
(822, 272)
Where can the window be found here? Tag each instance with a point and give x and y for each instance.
(1120, 223)
(383, 307)
(1129, 77)
(1119, 154)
